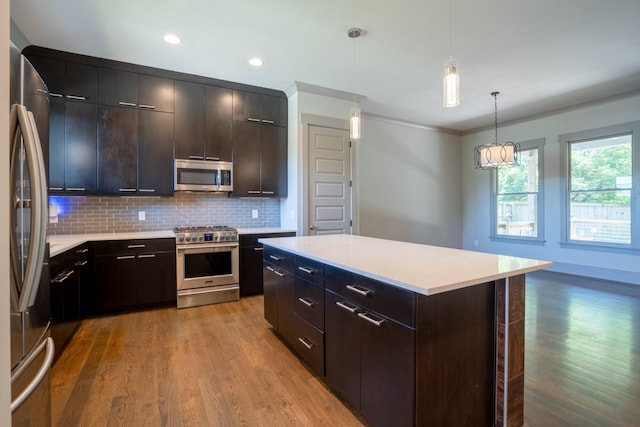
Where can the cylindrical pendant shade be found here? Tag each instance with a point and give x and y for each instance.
(451, 84)
(354, 123)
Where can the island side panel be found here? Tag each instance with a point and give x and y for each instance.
(510, 313)
(455, 357)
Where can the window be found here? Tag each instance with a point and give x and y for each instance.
(601, 208)
(517, 196)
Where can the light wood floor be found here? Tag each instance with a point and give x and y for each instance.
(220, 365)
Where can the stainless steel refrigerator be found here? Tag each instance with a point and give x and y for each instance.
(32, 348)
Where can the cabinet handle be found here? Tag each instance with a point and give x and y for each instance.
(306, 343)
(276, 257)
(251, 119)
(277, 273)
(366, 317)
(147, 256)
(268, 192)
(258, 249)
(81, 263)
(82, 251)
(253, 192)
(148, 107)
(147, 190)
(269, 122)
(196, 157)
(307, 270)
(349, 307)
(76, 189)
(77, 98)
(55, 188)
(306, 302)
(127, 104)
(271, 269)
(55, 95)
(126, 190)
(359, 290)
(126, 257)
(212, 158)
(63, 276)
(136, 246)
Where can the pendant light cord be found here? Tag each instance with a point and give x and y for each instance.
(450, 33)
(495, 115)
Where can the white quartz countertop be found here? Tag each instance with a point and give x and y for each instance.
(62, 243)
(420, 268)
(265, 230)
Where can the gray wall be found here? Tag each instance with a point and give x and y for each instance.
(78, 215)
(596, 263)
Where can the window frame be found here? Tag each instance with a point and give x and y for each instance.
(538, 144)
(631, 128)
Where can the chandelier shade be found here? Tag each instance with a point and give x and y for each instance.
(497, 154)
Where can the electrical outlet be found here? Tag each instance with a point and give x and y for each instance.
(254, 213)
(141, 215)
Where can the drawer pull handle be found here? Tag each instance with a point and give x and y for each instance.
(306, 302)
(269, 122)
(258, 249)
(271, 269)
(277, 273)
(126, 257)
(350, 308)
(366, 317)
(127, 190)
(82, 251)
(360, 290)
(251, 119)
(77, 98)
(269, 193)
(197, 157)
(76, 189)
(306, 343)
(215, 159)
(127, 104)
(81, 263)
(307, 270)
(253, 192)
(55, 95)
(147, 190)
(275, 257)
(148, 107)
(135, 246)
(55, 188)
(147, 256)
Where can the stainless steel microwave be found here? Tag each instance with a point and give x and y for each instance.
(203, 175)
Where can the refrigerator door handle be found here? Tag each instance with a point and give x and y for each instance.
(37, 379)
(33, 152)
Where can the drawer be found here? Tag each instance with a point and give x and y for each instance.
(393, 302)
(309, 302)
(309, 344)
(252, 239)
(138, 246)
(278, 258)
(309, 270)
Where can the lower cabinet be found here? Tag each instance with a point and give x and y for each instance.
(278, 298)
(131, 274)
(251, 261)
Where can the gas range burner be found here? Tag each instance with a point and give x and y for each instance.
(205, 234)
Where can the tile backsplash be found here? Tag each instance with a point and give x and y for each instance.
(93, 214)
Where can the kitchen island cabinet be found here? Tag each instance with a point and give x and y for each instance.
(251, 260)
(420, 335)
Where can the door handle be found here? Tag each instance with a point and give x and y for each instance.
(312, 227)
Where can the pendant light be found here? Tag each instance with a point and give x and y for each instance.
(355, 119)
(451, 79)
(491, 156)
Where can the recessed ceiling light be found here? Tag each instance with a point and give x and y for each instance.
(172, 39)
(256, 62)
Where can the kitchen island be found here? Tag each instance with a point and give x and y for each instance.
(408, 334)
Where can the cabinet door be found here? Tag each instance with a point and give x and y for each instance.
(80, 147)
(117, 88)
(114, 283)
(56, 144)
(273, 161)
(155, 93)
(117, 150)
(251, 271)
(156, 274)
(189, 120)
(246, 159)
(246, 106)
(52, 72)
(387, 372)
(155, 153)
(81, 82)
(218, 111)
(273, 110)
(342, 347)
(71, 304)
(270, 281)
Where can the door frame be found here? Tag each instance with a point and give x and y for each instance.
(306, 121)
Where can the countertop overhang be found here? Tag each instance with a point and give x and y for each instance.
(424, 269)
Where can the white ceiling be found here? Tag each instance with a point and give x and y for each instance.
(541, 55)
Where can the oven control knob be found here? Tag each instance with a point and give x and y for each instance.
(181, 239)
(200, 238)
(188, 238)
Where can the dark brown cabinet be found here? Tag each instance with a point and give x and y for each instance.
(73, 117)
(131, 274)
(259, 160)
(155, 153)
(117, 150)
(128, 89)
(279, 293)
(251, 261)
(203, 122)
(259, 108)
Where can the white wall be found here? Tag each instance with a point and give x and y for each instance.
(407, 180)
(476, 223)
(5, 363)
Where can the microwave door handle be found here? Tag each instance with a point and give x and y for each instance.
(218, 178)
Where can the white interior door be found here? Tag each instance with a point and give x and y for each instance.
(329, 180)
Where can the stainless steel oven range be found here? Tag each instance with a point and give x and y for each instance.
(207, 265)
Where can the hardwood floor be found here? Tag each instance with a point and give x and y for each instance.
(220, 365)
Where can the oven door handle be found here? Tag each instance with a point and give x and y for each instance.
(217, 247)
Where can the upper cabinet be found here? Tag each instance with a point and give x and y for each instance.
(259, 108)
(128, 89)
